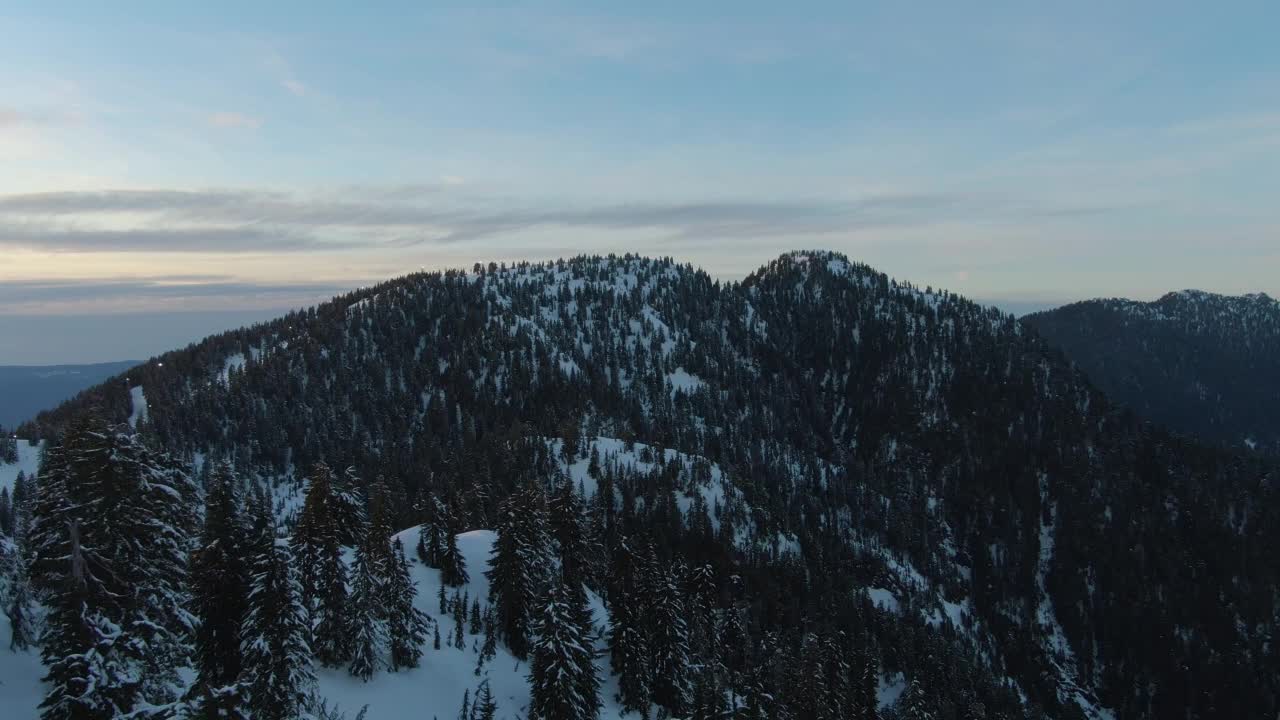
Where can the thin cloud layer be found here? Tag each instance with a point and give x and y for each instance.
(243, 221)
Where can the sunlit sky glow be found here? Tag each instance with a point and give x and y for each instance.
(183, 157)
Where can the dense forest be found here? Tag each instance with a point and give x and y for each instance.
(781, 491)
(1203, 364)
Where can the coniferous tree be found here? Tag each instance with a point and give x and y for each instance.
(453, 567)
(6, 513)
(516, 566)
(331, 630)
(406, 625)
(563, 683)
(484, 707)
(24, 496)
(914, 705)
(312, 533)
(18, 608)
(367, 632)
(669, 646)
(276, 666)
(108, 553)
(219, 586)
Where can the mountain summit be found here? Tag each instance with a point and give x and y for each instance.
(870, 473)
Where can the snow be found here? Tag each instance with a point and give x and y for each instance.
(28, 463)
(139, 405)
(889, 688)
(20, 687)
(883, 599)
(435, 687)
(684, 382)
(232, 362)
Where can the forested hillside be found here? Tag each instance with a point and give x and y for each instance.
(1199, 363)
(817, 493)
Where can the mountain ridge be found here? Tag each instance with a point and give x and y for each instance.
(912, 442)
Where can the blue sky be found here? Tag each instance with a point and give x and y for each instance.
(235, 157)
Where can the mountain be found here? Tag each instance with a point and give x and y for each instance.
(1199, 363)
(28, 389)
(848, 475)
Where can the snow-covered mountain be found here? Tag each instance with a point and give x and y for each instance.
(870, 471)
(1198, 362)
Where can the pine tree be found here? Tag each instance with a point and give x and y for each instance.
(315, 529)
(219, 586)
(367, 633)
(6, 513)
(108, 553)
(914, 705)
(276, 670)
(331, 630)
(516, 566)
(868, 688)
(484, 707)
(563, 683)
(24, 497)
(465, 712)
(453, 567)
(406, 625)
(18, 609)
(669, 646)
(474, 625)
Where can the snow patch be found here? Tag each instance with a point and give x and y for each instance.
(139, 400)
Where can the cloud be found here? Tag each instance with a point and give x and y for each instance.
(160, 292)
(252, 221)
(279, 67)
(234, 120)
(241, 239)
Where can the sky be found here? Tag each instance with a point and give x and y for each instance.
(171, 169)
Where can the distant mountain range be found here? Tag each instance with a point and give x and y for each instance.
(1196, 362)
(28, 389)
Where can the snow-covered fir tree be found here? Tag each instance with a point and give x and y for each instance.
(453, 567)
(517, 566)
(562, 679)
(107, 554)
(368, 633)
(406, 625)
(276, 659)
(219, 586)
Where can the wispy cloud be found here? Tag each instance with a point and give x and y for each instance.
(283, 73)
(172, 292)
(263, 221)
(234, 120)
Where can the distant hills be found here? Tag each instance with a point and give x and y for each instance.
(28, 389)
(1197, 362)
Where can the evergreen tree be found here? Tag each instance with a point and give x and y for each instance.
(315, 529)
(6, 513)
(331, 629)
(367, 632)
(18, 608)
(669, 647)
(516, 565)
(914, 705)
(563, 683)
(107, 544)
(453, 567)
(406, 625)
(219, 586)
(484, 707)
(276, 666)
(24, 497)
